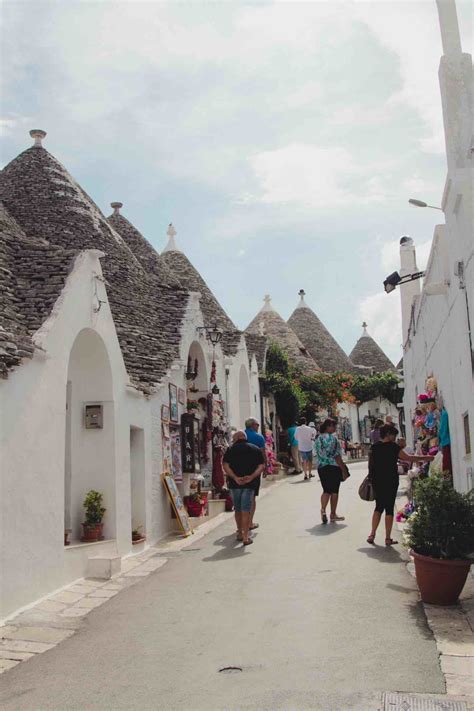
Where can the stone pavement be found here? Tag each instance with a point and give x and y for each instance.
(53, 619)
(314, 617)
(453, 630)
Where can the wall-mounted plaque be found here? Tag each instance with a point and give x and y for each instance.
(93, 417)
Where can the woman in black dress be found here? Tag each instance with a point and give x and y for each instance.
(383, 471)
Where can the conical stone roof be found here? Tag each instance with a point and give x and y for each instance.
(190, 279)
(317, 339)
(33, 276)
(368, 353)
(141, 248)
(48, 204)
(270, 324)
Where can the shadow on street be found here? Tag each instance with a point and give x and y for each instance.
(384, 554)
(325, 529)
(230, 548)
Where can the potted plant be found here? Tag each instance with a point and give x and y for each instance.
(136, 535)
(93, 525)
(67, 533)
(441, 536)
(195, 504)
(192, 406)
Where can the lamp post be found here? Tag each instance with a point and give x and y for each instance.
(421, 203)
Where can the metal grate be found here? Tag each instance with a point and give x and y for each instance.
(408, 702)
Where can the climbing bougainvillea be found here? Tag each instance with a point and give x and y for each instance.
(297, 393)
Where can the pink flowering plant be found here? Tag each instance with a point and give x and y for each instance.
(405, 513)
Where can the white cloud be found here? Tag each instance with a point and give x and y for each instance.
(302, 174)
(316, 176)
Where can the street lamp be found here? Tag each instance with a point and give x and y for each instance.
(420, 203)
(213, 333)
(393, 280)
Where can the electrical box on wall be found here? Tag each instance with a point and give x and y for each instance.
(94, 417)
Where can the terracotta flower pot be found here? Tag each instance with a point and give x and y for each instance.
(92, 532)
(440, 581)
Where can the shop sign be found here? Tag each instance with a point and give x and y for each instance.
(190, 444)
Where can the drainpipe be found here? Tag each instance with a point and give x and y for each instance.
(260, 390)
(227, 373)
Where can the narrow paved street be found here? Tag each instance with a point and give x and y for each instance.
(316, 618)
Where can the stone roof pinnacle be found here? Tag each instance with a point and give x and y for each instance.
(302, 303)
(364, 329)
(171, 246)
(38, 134)
(267, 306)
(116, 206)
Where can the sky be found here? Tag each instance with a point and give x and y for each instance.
(282, 139)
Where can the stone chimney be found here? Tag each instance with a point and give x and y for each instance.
(410, 290)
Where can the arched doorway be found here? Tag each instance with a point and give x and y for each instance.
(90, 442)
(244, 396)
(199, 385)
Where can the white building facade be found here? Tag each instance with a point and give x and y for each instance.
(438, 319)
(94, 329)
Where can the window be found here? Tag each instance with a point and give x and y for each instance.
(467, 434)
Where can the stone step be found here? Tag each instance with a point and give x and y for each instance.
(103, 567)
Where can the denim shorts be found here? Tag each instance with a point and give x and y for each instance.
(242, 499)
(306, 456)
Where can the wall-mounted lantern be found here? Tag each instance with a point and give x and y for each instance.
(213, 333)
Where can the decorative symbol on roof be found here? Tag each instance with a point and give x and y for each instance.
(267, 305)
(38, 134)
(364, 326)
(171, 232)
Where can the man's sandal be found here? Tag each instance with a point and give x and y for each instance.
(248, 543)
(337, 518)
(324, 517)
(371, 540)
(390, 542)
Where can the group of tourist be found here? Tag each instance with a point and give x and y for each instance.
(246, 460)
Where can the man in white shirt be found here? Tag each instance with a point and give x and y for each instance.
(305, 437)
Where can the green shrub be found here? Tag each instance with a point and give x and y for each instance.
(443, 525)
(93, 506)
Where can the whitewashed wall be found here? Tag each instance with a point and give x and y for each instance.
(438, 345)
(34, 560)
(438, 342)
(229, 385)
